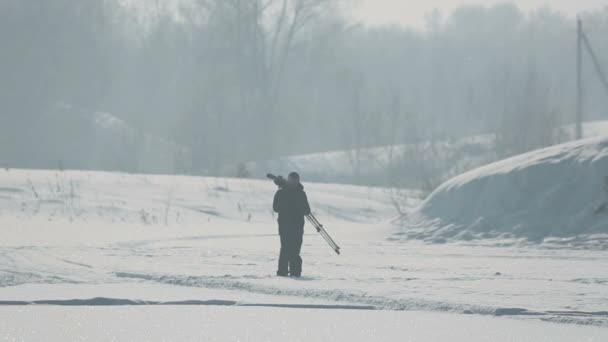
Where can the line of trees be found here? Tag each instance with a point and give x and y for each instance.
(238, 80)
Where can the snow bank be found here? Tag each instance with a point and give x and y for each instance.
(554, 194)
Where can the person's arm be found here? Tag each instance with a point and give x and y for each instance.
(276, 202)
(306, 206)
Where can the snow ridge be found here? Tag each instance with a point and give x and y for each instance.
(373, 302)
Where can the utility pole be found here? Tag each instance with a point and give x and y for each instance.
(596, 63)
(583, 42)
(579, 79)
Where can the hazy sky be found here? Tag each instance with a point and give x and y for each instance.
(411, 12)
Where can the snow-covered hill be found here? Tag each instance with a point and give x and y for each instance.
(74, 137)
(385, 165)
(557, 194)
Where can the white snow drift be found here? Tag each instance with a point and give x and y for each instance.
(554, 194)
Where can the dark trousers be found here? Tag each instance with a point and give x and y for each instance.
(289, 258)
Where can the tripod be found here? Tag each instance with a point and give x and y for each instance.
(319, 227)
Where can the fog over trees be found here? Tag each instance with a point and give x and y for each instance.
(157, 86)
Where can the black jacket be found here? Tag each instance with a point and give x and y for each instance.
(292, 205)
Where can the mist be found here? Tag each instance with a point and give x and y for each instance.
(289, 170)
(209, 87)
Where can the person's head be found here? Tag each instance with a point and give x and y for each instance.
(293, 179)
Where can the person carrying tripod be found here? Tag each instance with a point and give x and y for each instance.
(291, 203)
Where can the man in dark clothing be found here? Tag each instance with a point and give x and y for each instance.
(292, 205)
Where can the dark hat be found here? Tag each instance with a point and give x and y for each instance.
(294, 175)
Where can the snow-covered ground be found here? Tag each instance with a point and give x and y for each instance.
(98, 256)
(205, 323)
